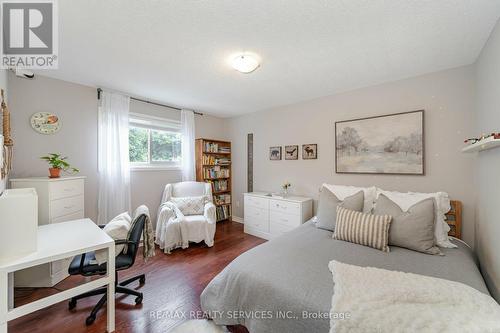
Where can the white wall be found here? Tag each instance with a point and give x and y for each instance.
(447, 97)
(488, 168)
(76, 106)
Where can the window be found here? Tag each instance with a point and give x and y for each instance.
(154, 142)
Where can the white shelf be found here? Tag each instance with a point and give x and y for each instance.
(488, 143)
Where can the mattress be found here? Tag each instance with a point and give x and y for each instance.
(284, 285)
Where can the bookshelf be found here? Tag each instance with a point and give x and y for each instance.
(213, 165)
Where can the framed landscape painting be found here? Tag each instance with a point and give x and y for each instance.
(389, 144)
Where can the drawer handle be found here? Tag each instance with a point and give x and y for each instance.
(68, 189)
(284, 220)
(68, 207)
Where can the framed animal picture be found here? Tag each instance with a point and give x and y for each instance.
(388, 144)
(275, 153)
(291, 152)
(310, 152)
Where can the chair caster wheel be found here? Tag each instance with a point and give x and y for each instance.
(72, 304)
(90, 320)
(142, 280)
(138, 300)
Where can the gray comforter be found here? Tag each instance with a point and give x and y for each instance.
(284, 285)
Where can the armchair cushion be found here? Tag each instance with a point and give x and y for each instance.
(117, 228)
(190, 205)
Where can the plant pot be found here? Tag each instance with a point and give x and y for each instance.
(54, 172)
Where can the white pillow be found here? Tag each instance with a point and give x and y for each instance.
(190, 205)
(117, 228)
(441, 207)
(342, 192)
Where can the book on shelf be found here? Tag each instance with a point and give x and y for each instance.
(212, 147)
(212, 160)
(223, 212)
(221, 199)
(218, 185)
(215, 172)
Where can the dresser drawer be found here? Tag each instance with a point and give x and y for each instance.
(277, 229)
(66, 188)
(251, 201)
(284, 218)
(66, 206)
(284, 207)
(70, 217)
(261, 224)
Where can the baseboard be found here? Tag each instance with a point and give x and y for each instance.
(237, 219)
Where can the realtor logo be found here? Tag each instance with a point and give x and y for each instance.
(29, 34)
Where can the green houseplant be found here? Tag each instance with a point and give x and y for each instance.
(57, 162)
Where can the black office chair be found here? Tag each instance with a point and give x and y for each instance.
(81, 265)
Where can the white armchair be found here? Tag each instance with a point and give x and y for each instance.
(173, 228)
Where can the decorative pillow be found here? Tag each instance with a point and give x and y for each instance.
(342, 191)
(363, 229)
(327, 207)
(441, 207)
(117, 228)
(413, 229)
(190, 205)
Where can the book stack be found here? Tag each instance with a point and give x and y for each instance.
(211, 160)
(211, 147)
(225, 150)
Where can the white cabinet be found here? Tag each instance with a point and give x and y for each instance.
(59, 200)
(269, 216)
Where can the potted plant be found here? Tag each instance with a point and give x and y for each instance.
(58, 163)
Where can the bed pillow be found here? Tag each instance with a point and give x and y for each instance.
(413, 229)
(441, 207)
(117, 228)
(363, 229)
(327, 207)
(190, 205)
(342, 192)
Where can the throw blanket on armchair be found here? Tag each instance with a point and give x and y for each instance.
(377, 300)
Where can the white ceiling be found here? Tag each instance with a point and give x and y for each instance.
(176, 51)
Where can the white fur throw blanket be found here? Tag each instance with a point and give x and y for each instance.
(377, 300)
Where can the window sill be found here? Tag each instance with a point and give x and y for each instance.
(155, 168)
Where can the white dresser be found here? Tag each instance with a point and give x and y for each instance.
(59, 200)
(269, 216)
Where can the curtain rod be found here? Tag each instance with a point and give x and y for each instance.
(99, 90)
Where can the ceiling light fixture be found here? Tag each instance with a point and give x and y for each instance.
(245, 63)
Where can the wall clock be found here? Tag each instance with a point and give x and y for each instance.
(45, 122)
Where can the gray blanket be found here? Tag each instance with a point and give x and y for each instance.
(284, 285)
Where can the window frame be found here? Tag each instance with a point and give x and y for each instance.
(152, 123)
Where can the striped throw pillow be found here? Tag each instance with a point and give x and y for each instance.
(364, 229)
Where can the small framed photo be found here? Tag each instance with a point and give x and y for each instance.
(310, 152)
(275, 153)
(291, 152)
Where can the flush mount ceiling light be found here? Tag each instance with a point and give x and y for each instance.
(245, 63)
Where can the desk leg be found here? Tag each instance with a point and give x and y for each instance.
(111, 288)
(4, 301)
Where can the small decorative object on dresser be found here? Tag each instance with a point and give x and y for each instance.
(268, 216)
(45, 123)
(310, 152)
(291, 152)
(275, 153)
(58, 163)
(285, 186)
(59, 200)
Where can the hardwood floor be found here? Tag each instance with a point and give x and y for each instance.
(173, 287)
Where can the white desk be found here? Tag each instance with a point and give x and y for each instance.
(58, 241)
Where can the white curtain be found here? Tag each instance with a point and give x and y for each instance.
(188, 164)
(113, 156)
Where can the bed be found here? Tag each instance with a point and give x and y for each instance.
(284, 285)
